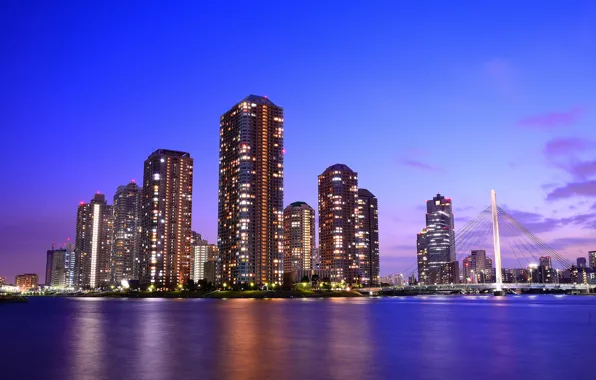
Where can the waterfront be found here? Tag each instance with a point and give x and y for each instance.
(433, 337)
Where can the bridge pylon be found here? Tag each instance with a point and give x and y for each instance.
(497, 242)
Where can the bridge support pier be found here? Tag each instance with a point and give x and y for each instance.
(497, 245)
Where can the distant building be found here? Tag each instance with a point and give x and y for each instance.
(93, 243)
(2, 280)
(166, 217)
(581, 262)
(422, 257)
(126, 240)
(440, 241)
(338, 223)
(449, 273)
(200, 250)
(299, 237)
(545, 270)
(508, 276)
(592, 257)
(27, 281)
(368, 234)
(251, 193)
(210, 270)
(59, 268)
(477, 268)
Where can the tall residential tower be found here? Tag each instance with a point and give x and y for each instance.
(93, 243)
(166, 211)
(299, 238)
(368, 233)
(125, 250)
(338, 223)
(250, 207)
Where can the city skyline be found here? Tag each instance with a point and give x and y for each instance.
(537, 123)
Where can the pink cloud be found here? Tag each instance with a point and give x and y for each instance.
(560, 146)
(553, 120)
(419, 165)
(582, 189)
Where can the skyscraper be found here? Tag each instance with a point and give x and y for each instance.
(440, 239)
(477, 268)
(125, 250)
(299, 238)
(422, 257)
(592, 257)
(58, 268)
(250, 207)
(166, 212)
(368, 230)
(338, 223)
(93, 243)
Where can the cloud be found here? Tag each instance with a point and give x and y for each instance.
(564, 146)
(419, 165)
(464, 208)
(582, 169)
(582, 189)
(553, 120)
(565, 243)
(534, 222)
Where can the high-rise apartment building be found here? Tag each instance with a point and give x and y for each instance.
(93, 243)
(126, 240)
(592, 258)
(250, 207)
(299, 237)
(477, 268)
(2, 280)
(368, 234)
(338, 223)
(27, 281)
(422, 257)
(545, 270)
(166, 212)
(59, 268)
(440, 240)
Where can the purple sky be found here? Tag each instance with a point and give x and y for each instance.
(417, 97)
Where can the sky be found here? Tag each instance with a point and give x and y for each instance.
(418, 97)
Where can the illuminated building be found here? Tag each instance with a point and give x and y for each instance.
(166, 212)
(126, 244)
(93, 243)
(59, 268)
(2, 280)
(545, 270)
(27, 281)
(368, 234)
(299, 238)
(200, 251)
(338, 223)
(477, 268)
(440, 240)
(250, 206)
(422, 257)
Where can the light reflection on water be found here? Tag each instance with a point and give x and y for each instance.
(364, 338)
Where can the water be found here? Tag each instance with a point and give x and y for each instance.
(539, 337)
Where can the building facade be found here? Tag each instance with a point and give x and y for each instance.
(338, 223)
(368, 236)
(93, 243)
(250, 199)
(299, 237)
(27, 281)
(166, 216)
(59, 266)
(477, 268)
(126, 240)
(440, 240)
(200, 252)
(422, 257)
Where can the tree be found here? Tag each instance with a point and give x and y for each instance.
(304, 279)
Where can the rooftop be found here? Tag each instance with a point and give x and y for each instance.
(262, 100)
(339, 167)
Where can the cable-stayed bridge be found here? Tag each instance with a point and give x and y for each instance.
(482, 243)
